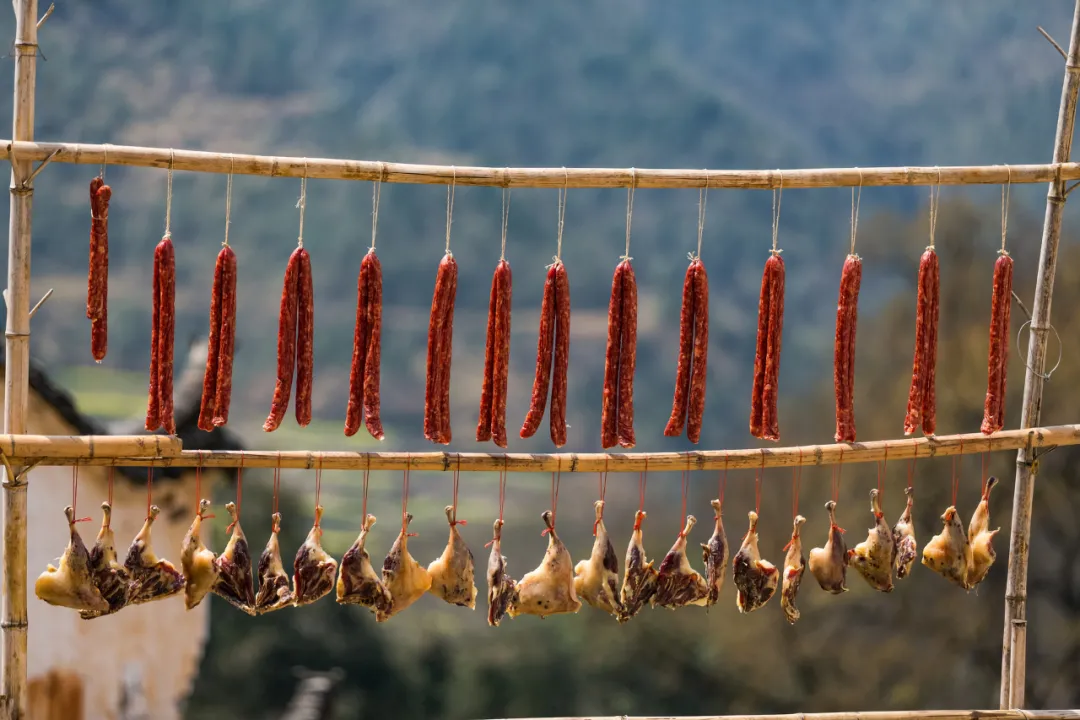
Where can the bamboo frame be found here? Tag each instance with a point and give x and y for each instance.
(333, 169)
(135, 450)
(1014, 643)
(887, 715)
(17, 365)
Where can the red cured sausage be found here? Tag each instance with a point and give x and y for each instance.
(562, 356)
(97, 290)
(227, 338)
(153, 404)
(998, 363)
(501, 355)
(208, 403)
(627, 357)
(922, 393)
(357, 369)
(763, 404)
(483, 423)
(159, 413)
(844, 354)
(440, 346)
(677, 421)
(544, 344)
(609, 419)
(286, 343)
(371, 270)
(305, 339)
(696, 409)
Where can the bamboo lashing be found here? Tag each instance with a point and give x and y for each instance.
(887, 715)
(371, 170)
(113, 450)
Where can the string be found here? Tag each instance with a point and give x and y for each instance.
(882, 467)
(110, 476)
(642, 479)
(104, 162)
(855, 202)
(935, 197)
(837, 476)
(450, 208)
(562, 216)
(318, 491)
(777, 197)
(502, 498)
(405, 502)
(556, 480)
(723, 479)
(757, 483)
(505, 219)
(277, 486)
(911, 469)
(367, 479)
(702, 199)
(685, 492)
(955, 474)
(75, 494)
(302, 204)
(983, 485)
(1005, 192)
(198, 483)
(240, 493)
(149, 487)
(168, 196)
(796, 480)
(603, 494)
(630, 210)
(457, 480)
(376, 194)
(228, 201)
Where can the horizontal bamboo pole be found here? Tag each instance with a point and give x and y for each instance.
(332, 169)
(97, 452)
(888, 715)
(26, 449)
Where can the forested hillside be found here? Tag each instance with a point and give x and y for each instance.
(630, 83)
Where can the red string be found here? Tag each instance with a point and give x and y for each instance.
(457, 480)
(75, 494)
(882, 467)
(198, 484)
(111, 469)
(757, 484)
(796, 480)
(642, 478)
(277, 488)
(837, 476)
(603, 494)
(367, 479)
(405, 501)
(685, 492)
(556, 480)
(911, 469)
(984, 472)
(723, 479)
(318, 491)
(149, 487)
(239, 494)
(502, 488)
(955, 474)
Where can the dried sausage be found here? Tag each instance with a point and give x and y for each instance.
(562, 356)
(609, 427)
(544, 344)
(677, 420)
(696, 409)
(208, 402)
(357, 369)
(440, 345)
(286, 343)
(501, 356)
(159, 413)
(764, 422)
(844, 353)
(627, 357)
(98, 276)
(921, 395)
(153, 404)
(371, 271)
(305, 339)
(226, 337)
(998, 364)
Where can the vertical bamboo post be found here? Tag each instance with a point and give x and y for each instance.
(17, 362)
(1014, 644)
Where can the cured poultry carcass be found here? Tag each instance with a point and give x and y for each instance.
(715, 555)
(313, 569)
(71, 585)
(502, 589)
(111, 579)
(755, 578)
(197, 561)
(406, 579)
(234, 582)
(678, 584)
(828, 564)
(151, 578)
(358, 583)
(949, 553)
(549, 589)
(639, 583)
(274, 591)
(907, 550)
(596, 580)
(981, 538)
(794, 568)
(452, 572)
(873, 558)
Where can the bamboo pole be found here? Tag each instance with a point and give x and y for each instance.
(17, 364)
(332, 169)
(888, 715)
(121, 450)
(1014, 642)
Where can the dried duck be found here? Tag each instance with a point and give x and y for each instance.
(715, 554)
(151, 578)
(794, 568)
(981, 538)
(274, 591)
(549, 589)
(873, 558)
(358, 583)
(406, 579)
(907, 550)
(639, 583)
(234, 582)
(949, 552)
(755, 578)
(678, 584)
(596, 580)
(71, 584)
(111, 579)
(313, 569)
(452, 572)
(197, 561)
(828, 564)
(502, 589)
